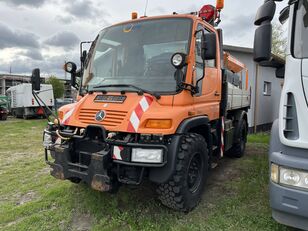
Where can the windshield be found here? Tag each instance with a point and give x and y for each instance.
(139, 54)
(301, 30)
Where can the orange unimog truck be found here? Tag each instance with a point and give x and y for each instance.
(160, 101)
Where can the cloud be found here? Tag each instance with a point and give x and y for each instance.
(34, 54)
(17, 39)
(82, 9)
(239, 30)
(66, 19)
(24, 65)
(67, 40)
(30, 3)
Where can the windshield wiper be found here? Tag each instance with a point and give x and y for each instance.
(140, 90)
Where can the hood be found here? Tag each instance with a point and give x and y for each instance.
(115, 112)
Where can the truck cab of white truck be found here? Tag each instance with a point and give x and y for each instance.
(288, 155)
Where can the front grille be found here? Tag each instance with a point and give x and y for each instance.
(290, 119)
(112, 119)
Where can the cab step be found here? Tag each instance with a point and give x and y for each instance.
(214, 165)
(78, 173)
(78, 165)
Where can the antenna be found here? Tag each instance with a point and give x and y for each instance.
(146, 7)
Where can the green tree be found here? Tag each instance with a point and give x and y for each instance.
(57, 85)
(279, 42)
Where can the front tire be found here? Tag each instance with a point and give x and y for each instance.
(184, 190)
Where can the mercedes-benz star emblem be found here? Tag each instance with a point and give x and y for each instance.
(100, 116)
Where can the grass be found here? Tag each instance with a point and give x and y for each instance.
(261, 138)
(30, 199)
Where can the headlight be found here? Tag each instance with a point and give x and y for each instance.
(147, 155)
(295, 178)
(178, 60)
(47, 140)
(289, 177)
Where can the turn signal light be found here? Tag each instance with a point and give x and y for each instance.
(60, 115)
(134, 15)
(159, 124)
(220, 4)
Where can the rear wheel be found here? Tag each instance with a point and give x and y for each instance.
(184, 190)
(238, 149)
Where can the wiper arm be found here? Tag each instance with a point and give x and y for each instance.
(140, 90)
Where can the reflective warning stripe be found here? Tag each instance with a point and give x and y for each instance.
(135, 118)
(222, 147)
(117, 152)
(67, 116)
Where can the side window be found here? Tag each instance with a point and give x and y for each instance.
(267, 88)
(208, 63)
(198, 58)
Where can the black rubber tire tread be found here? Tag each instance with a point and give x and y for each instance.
(75, 180)
(175, 193)
(237, 151)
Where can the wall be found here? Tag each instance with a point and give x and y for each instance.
(264, 108)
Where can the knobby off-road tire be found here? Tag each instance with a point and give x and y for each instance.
(184, 190)
(238, 149)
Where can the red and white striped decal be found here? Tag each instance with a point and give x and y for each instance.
(222, 147)
(117, 152)
(142, 107)
(67, 116)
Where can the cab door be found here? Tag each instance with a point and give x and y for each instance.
(207, 101)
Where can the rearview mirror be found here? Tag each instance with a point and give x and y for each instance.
(265, 13)
(83, 56)
(263, 43)
(36, 80)
(209, 46)
(284, 15)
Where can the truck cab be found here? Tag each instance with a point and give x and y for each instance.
(163, 103)
(289, 138)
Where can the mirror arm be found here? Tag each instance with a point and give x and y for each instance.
(199, 80)
(203, 75)
(45, 108)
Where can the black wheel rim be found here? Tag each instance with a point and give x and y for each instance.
(195, 171)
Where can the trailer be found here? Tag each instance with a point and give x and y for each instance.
(24, 105)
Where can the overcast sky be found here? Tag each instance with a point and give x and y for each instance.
(45, 33)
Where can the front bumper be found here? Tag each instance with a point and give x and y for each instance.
(95, 174)
(93, 161)
(289, 205)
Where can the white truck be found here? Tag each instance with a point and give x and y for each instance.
(24, 105)
(288, 155)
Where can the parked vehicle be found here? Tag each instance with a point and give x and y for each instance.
(163, 103)
(3, 107)
(3, 113)
(289, 139)
(23, 103)
(61, 102)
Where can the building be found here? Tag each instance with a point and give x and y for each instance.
(8, 80)
(265, 88)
